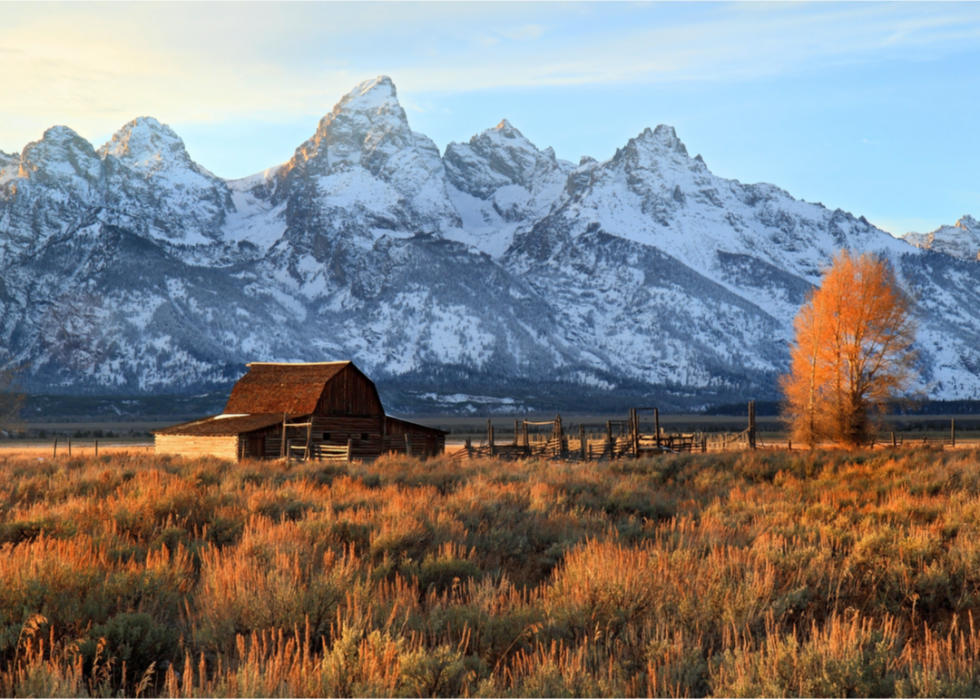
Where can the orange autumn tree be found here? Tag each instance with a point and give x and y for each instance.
(853, 352)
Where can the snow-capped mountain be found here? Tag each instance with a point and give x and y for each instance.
(493, 274)
(961, 240)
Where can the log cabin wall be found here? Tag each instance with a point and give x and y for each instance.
(367, 438)
(194, 445)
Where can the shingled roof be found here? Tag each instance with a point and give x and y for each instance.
(223, 425)
(281, 388)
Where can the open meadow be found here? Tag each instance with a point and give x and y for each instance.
(819, 573)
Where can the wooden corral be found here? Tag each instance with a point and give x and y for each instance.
(622, 439)
(327, 411)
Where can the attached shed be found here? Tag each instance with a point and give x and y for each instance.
(320, 407)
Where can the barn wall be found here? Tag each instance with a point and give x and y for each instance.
(366, 436)
(350, 393)
(223, 447)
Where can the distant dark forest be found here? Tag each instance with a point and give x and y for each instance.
(927, 407)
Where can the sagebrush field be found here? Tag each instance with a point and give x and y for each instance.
(763, 573)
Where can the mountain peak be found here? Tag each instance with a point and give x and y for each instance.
(961, 240)
(59, 134)
(60, 153)
(664, 137)
(362, 119)
(145, 144)
(507, 130)
(371, 94)
(968, 223)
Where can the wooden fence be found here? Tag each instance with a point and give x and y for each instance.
(622, 439)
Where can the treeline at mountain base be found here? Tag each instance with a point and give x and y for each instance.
(746, 574)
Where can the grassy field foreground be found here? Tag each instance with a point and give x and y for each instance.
(824, 573)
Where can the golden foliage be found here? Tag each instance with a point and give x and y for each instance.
(852, 352)
(754, 574)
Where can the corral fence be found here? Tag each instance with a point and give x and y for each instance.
(908, 441)
(623, 439)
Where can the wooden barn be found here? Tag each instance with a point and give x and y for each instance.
(326, 410)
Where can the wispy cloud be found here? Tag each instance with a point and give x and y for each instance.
(96, 66)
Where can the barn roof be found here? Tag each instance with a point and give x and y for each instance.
(223, 425)
(282, 388)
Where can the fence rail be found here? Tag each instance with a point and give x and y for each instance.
(623, 439)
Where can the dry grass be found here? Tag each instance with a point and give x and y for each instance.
(816, 574)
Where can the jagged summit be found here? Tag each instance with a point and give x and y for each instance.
(968, 223)
(61, 152)
(363, 118)
(665, 137)
(363, 128)
(507, 130)
(56, 142)
(377, 94)
(961, 240)
(655, 144)
(145, 144)
(497, 157)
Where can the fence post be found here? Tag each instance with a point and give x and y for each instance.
(559, 434)
(952, 432)
(69, 447)
(96, 447)
(582, 440)
(634, 427)
(55, 454)
(490, 439)
(893, 440)
(656, 425)
(408, 444)
(751, 424)
(350, 448)
(282, 444)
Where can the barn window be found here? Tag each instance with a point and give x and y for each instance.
(364, 435)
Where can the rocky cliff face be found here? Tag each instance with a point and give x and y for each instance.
(493, 275)
(961, 240)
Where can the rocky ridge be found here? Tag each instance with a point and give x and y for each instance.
(961, 240)
(493, 276)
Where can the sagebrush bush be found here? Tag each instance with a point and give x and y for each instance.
(767, 573)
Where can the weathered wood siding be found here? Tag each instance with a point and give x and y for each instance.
(369, 436)
(350, 393)
(425, 440)
(223, 447)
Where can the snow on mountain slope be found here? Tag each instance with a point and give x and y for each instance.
(59, 180)
(365, 173)
(754, 241)
(255, 221)
(653, 193)
(148, 169)
(494, 271)
(961, 240)
(500, 182)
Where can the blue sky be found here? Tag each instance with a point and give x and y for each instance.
(870, 107)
